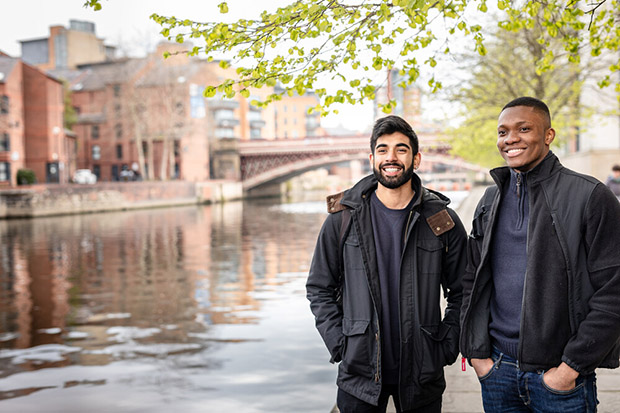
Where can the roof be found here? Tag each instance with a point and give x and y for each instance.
(97, 76)
(6, 67)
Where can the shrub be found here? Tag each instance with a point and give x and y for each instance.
(26, 177)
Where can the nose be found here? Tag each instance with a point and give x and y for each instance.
(511, 137)
(391, 155)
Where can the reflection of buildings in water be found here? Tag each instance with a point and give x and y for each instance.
(16, 303)
(255, 254)
(186, 267)
(131, 263)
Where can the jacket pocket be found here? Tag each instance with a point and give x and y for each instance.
(430, 254)
(434, 358)
(357, 341)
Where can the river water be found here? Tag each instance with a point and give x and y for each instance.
(190, 309)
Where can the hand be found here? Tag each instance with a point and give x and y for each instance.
(482, 366)
(561, 378)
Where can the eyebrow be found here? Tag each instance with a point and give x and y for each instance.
(381, 145)
(519, 123)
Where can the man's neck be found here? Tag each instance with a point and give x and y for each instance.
(397, 198)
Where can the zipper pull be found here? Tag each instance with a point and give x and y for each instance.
(518, 185)
(463, 364)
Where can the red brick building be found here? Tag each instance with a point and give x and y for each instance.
(32, 134)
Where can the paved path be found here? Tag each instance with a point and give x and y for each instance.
(462, 393)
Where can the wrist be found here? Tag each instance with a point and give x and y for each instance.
(567, 371)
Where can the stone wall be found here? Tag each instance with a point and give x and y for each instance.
(46, 200)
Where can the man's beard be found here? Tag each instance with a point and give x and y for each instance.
(393, 182)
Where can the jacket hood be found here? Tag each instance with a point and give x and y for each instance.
(353, 197)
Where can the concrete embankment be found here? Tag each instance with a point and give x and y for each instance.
(46, 200)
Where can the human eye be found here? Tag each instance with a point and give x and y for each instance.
(501, 132)
(524, 128)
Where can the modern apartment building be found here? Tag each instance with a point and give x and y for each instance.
(66, 47)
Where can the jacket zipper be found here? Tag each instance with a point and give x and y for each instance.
(527, 245)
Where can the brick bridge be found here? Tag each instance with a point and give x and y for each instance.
(260, 162)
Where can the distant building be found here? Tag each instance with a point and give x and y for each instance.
(66, 47)
(31, 125)
(150, 116)
(408, 99)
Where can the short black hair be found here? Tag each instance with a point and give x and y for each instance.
(392, 124)
(616, 167)
(531, 102)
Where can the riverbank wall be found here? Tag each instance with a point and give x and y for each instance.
(53, 199)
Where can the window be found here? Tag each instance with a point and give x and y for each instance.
(5, 142)
(119, 151)
(96, 152)
(94, 132)
(5, 171)
(118, 128)
(97, 171)
(4, 104)
(117, 90)
(255, 133)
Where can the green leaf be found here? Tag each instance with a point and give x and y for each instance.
(223, 8)
(209, 92)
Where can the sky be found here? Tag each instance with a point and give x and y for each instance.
(126, 25)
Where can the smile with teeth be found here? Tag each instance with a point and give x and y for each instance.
(391, 170)
(515, 151)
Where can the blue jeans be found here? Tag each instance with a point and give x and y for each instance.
(507, 389)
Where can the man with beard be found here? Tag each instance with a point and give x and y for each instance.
(385, 252)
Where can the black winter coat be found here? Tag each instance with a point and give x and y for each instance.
(433, 258)
(571, 297)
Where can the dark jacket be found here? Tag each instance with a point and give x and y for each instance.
(570, 308)
(433, 257)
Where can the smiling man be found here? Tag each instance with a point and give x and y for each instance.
(384, 254)
(541, 290)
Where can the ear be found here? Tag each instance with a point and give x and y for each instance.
(549, 136)
(416, 160)
(371, 158)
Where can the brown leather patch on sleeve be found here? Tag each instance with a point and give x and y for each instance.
(333, 203)
(440, 222)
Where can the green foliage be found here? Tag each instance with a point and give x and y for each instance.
(305, 41)
(69, 114)
(26, 177)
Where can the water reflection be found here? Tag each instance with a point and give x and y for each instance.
(196, 308)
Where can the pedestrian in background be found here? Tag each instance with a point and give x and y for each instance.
(613, 181)
(542, 286)
(386, 251)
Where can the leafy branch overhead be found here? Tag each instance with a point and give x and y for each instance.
(353, 43)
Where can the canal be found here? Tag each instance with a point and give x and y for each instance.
(192, 309)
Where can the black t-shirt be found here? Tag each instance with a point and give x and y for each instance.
(388, 227)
